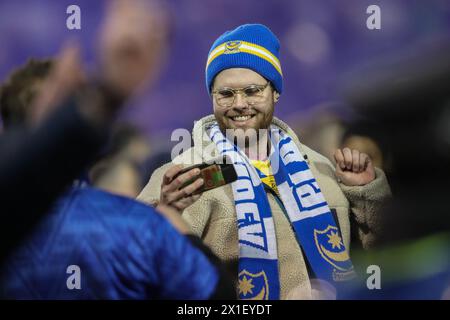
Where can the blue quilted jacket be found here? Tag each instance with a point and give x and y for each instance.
(95, 245)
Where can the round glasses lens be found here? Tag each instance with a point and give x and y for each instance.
(254, 95)
(225, 97)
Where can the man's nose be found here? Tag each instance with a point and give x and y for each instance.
(239, 101)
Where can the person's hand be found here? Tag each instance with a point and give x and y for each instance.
(353, 168)
(172, 193)
(65, 77)
(132, 41)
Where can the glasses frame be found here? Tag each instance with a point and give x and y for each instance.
(237, 91)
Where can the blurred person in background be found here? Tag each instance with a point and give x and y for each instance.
(409, 95)
(123, 249)
(122, 167)
(321, 128)
(329, 126)
(278, 229)
(53, 150)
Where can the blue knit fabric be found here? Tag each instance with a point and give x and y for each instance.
(256, 34)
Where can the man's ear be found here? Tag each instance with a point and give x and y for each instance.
(276, 96)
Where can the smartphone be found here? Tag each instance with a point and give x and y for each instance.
(214, 175)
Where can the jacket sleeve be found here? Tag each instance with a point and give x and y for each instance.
(366, 205)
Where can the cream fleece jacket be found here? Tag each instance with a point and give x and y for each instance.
(213, 216)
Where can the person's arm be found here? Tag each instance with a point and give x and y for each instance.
(367, 190)
(37, 165)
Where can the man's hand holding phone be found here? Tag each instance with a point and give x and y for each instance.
(182, 187)
(174, 191)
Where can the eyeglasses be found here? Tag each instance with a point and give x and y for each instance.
(253, 94)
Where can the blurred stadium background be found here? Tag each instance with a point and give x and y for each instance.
(320, 40)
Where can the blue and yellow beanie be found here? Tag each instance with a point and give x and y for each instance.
(251, 46)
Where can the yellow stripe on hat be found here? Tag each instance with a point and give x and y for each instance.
(246, 47)
(215, 53)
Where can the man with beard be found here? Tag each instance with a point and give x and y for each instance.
(285, 224)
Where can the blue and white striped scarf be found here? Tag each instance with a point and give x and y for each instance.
(307, 209)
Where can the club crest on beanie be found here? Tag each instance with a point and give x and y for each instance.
(251, 46)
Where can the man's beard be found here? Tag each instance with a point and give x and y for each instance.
(254, 142)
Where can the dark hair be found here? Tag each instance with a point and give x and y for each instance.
(19, 91)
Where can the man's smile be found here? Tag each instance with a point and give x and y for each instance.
(241, 119)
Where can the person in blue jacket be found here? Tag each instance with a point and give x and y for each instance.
(96, 245)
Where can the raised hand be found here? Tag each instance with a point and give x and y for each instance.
(353, 168)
